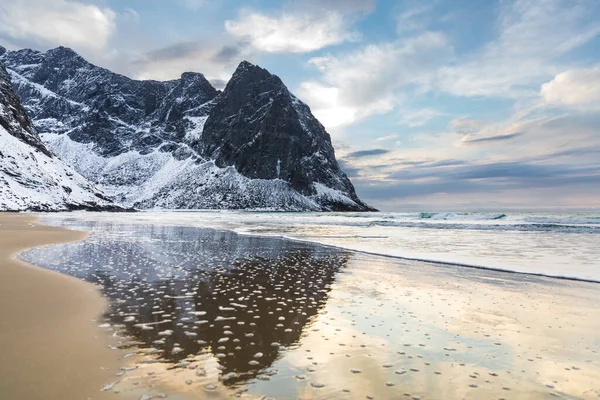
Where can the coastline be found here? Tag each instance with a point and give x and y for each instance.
(50, 344)
(405, 326)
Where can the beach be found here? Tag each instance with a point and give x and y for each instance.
(208, 313)
(49, 344)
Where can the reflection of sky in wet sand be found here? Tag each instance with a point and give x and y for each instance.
(211, 313)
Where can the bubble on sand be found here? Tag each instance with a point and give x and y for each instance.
(109, 386)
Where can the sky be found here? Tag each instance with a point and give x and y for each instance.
(432, 105)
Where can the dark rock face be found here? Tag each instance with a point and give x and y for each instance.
(262, 129)
(94, 105)
(149, 141)
(13, 117)
(31, 177)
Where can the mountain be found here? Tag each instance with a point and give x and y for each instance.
(181, 143)
(31, 177)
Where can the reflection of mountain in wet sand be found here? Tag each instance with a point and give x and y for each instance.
(181, 291)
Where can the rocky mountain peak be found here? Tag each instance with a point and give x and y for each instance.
(198, 82)
(63, 53)
(192, 76)
(12, 116)
(66, 57)
(182, 143)
(248, 73)
(2, 50)
(263, 130)
(31, 178)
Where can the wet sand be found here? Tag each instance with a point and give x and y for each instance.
(211, 314)
(50, 347)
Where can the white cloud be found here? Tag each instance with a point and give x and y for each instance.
(415, 18)
(322, 63)
(386, 138)
(216, 59)
(420, 117)
(291, 32)
(58, 22)
(130, 15)
(367, 81)
(331, 107)
(465, 126)
(532, 36)
(578, 88)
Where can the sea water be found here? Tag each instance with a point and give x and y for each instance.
(550, 244)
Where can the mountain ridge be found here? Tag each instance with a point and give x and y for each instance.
(182, 143)
(31, 177)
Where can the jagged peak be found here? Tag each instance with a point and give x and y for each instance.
(247, 68)
(2, 50)
(248, 73)
(245, 64)
(191, 77)
(62, 52)
(188, 75)
(13, 117)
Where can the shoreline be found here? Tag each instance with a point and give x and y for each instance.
(367, 252)
(378, 326)
(466, 335)
(51, 345)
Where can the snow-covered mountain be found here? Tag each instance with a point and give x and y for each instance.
(181, 143)
(31, 178)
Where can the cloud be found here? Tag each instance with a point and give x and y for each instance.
(415, 18)
(485, 185)
(322, 63)
(58, 22)
(367, 153)
(466, 125)
(348, 169)
(497, 138)
(540, 161)
(386, 138)
(218, 83)
(415, 118)
(216, 59)
(367, 81)
(531, 38)
(291, 32)
(577, 88)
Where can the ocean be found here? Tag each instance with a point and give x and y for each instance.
(565, 245)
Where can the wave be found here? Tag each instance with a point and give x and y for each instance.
(531, 227)
(464, 220)
(566, 220)
(461, 216)
(438, 261)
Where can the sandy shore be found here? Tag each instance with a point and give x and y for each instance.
(50, 347)
(212, 314)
